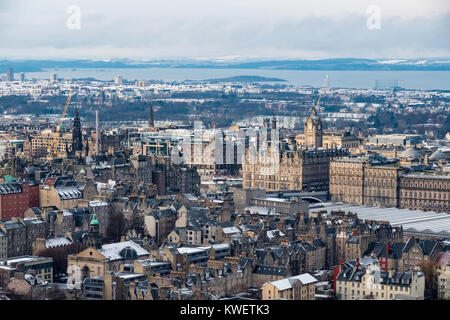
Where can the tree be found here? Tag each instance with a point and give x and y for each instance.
(60, 254)
(116, 224)
(136, 223)
(431, 275)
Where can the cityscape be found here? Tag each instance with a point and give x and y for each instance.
(246, 185)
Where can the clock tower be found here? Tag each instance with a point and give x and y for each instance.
(313, 130)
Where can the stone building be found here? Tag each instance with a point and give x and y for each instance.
(291, 169)
(344, 140)
(41, 145)
(27, 286)
(15, 237)
(289, 165)
(243, 197)
(34, 228)
(160, 223)
(347, 180)
(61, 192)
(3, 245)
(94, 262)
(360, 283)
(425, 192)
(381, 186)
(332, 140)
(404, 256)
(357, 181)
(443, 280)
(301, 287)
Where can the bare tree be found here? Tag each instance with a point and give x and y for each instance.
(116, 224)
(136, 223)
(60, 254)
(429, 269)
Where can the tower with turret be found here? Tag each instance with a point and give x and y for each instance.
(94, 239)
(313, 130)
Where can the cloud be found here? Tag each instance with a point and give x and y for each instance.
(198, 28)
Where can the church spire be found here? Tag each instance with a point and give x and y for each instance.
(77, 142)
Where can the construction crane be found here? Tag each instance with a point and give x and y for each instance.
(55, 138)
(324, 85)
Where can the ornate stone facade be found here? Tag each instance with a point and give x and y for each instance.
(291, 166)
(425, 192)
(357, 181)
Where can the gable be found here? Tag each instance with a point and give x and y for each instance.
(91, 253)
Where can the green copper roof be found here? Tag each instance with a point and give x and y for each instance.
(94, 220)
(9, 178)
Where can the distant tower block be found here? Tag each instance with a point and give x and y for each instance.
(118, 80)
(10, 74)
(151, 120)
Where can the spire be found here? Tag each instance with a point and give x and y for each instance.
(77, 143)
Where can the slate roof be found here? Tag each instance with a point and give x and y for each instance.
(9, 225)
(10, 187)
(270, 270)
(398, 278)
(77, 236)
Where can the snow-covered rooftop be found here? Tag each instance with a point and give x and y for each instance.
(57, 242)
(287, 283)
(412, 220)
(231, 230)
(112, 251)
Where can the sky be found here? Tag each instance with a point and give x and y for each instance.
(224, 29)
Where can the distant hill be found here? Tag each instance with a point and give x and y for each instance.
(324, 64)
(244, 79)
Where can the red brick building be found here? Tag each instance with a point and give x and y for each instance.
(16, 197)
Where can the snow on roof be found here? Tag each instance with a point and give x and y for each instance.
(112, 251)
(322, 283)
(190, 196)
(97, 203)
(271, 233)
(282, 284)
(411, 220)
(260, 210)
(188, 250)
(274, 199)
(153, 263)
(57, 242)
(231, 230)
(220, 246)
(287, 283)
